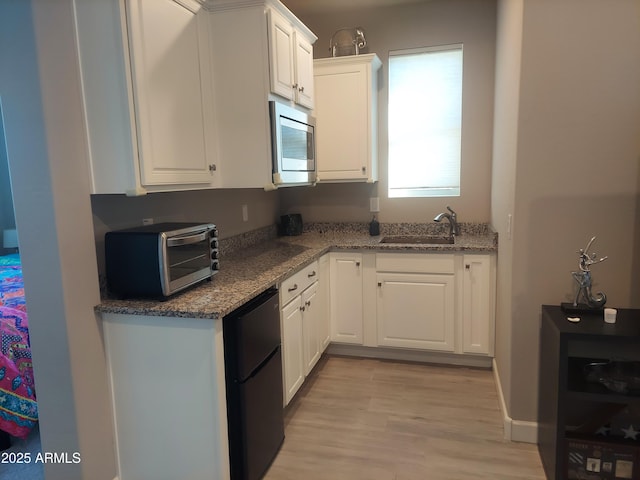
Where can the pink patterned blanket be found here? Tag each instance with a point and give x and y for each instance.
(18, 407)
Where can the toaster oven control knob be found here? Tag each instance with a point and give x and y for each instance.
(214, 243)
(214, 255)
(215, 265)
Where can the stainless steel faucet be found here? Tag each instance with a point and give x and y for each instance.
(454, 228)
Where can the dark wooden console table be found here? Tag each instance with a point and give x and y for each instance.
(566, 399)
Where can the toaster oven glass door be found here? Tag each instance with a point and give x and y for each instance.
(188, 259)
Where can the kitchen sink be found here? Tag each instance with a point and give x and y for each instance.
(418, 239)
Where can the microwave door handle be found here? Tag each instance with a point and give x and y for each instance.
(186, 240)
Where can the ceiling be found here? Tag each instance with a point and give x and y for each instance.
(299, 7)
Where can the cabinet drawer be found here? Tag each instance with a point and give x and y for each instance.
(415, 262)
(296, 283)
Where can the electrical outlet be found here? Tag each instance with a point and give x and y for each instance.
(147, 221)
(509, 225)
(245, 213)
(374, 204)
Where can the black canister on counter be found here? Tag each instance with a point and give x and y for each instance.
(374, 227)
(291, 224)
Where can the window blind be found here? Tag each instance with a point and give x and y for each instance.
(425, 121)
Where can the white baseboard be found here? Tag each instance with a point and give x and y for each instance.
(408, 355)
(514, 430)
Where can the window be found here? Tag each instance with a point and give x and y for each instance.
(425, 121)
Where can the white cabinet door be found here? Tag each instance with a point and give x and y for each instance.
(311, 311)
(323, 304)
(292, 356)
(304, 84)
(291, 61)
(478, 305)
(147, 95)
(416, 311)
(168, 42)
(281, 50)
(346, 298)
(346, 117)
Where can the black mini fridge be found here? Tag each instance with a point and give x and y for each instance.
(253, 369)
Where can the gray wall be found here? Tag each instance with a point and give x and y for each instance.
(574, 167)
(221, 207)
(508, 57)
(564, 159)
(438, 22)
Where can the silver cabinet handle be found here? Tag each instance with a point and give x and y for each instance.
(294, 288)
(312, 274)
(301, 89)
(302, 309)
(307, 303)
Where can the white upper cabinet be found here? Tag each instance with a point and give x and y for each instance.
(254, 58)
(291, 60)
(281, 51)
(168, 43)
(304, 86)
(148, 98)
(346, 117)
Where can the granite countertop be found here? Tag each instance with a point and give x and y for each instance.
(246, 272)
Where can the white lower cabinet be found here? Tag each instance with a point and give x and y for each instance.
(478, 304)
(323, 304)
(347, 319)
(305, 324)
(416, 311)
(144, 354)
(292, 359)
(439, 303)
(436, 304)
(310, 327)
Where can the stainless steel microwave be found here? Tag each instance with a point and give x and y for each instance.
(293, 145)
(161, 259)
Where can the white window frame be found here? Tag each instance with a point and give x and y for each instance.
(450, 142)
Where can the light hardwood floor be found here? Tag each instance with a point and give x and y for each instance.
(380, 420)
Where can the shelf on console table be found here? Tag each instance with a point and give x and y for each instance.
(564, 347)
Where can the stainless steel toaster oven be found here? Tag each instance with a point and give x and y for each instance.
(161, 259)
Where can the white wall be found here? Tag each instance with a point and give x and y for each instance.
(40, 96)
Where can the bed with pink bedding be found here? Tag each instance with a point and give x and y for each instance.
(18, 407)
